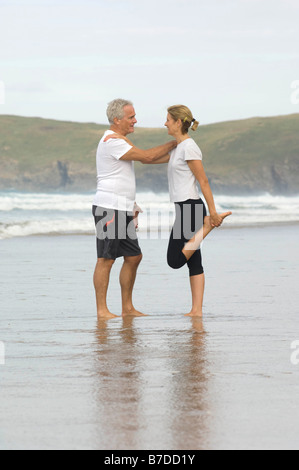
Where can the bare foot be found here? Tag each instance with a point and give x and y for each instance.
(208, 225)
(106, 315)
(194, 313)
(196, 241)
(225, 214)
(132, 313)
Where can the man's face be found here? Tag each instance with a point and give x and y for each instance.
(126, 124)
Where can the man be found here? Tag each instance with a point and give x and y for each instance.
(114, 205)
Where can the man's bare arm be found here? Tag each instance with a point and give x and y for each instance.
(162, 160)
(150, 156)
(156, 155)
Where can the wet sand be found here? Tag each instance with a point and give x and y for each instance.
(163, 382)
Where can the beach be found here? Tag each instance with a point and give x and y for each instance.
(164, 382)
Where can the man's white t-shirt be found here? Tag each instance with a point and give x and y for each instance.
(182, 182)
(116, 188)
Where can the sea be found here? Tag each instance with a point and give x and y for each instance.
(27, 214)
(165, 381)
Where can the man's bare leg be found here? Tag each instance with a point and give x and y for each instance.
(197, 284)
(101, 282)
(127, 279)
(193, 245)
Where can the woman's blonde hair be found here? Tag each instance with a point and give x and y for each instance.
(183, 113)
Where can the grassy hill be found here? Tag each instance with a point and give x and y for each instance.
(252, 155)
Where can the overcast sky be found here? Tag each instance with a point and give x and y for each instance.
(225, 59)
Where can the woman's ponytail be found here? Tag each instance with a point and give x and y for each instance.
(195, 124)
(184, 114)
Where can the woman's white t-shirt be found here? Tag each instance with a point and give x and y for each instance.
(116, 188)
(182, 182)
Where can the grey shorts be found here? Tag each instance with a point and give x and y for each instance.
(116, 233)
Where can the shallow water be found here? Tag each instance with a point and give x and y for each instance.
(161, 382)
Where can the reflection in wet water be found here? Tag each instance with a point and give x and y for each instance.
(160, 382)
(150, 384)
(189, 390)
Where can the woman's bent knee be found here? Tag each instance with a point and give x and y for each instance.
(177, 262)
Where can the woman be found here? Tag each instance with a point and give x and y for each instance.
(192, 223)
(184, 170)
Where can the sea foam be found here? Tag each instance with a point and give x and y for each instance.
(25, 214)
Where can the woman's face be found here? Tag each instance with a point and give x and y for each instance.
(172, 125)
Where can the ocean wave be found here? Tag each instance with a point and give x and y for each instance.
(262, 209)
(46, 227)
(12, 201)
(25, 214)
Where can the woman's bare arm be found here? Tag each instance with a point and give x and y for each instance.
(197, 169)
(156, 155)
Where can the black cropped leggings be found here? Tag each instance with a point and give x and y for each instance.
(189, 220)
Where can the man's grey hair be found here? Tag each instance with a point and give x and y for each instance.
(116, 109)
